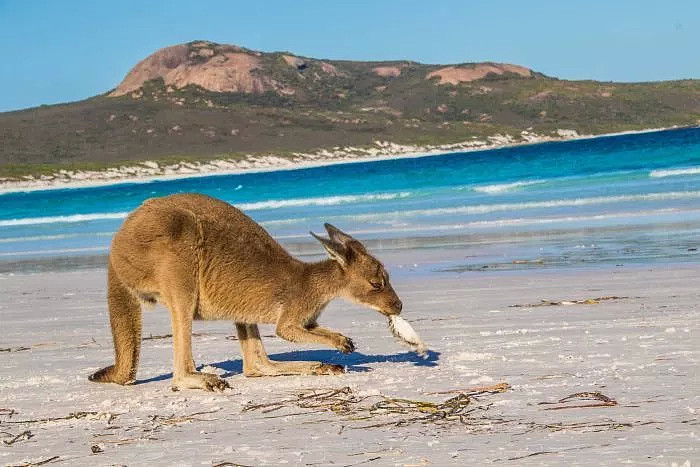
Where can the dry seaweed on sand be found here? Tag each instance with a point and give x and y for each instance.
(387, 410)
(26, 434)
(71, 416)
(454, 409)
(603, 401)
(333, 400)
(41, 462)
(177, 420)
(8, 412)
(477, 391)
(586, 427)
(586, 301)
(540, 453)
(467, 409)
(229, 464)
(151, 337)
(14, 349)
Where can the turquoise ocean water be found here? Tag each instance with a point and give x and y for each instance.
(615, 200)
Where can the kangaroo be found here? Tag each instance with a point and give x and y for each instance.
(204, 259)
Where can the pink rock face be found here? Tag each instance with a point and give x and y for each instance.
(291, 60)
(152, 67)
(465, 74)
(214, 68)
(331, 69)
(387, 71)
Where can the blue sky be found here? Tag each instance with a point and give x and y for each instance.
(64, 50)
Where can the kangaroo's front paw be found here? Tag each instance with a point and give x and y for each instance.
(344, 344)
(205, 381)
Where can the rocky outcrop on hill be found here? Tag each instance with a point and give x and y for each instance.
(214, 67)
(223, 68)
(468, 73)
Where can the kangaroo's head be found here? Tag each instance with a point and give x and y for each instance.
(365, 280)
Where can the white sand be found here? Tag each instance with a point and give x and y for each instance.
(641, 351)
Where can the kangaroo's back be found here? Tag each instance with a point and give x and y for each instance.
(226, 228)
(215, 220)
(231, 263)
(190, 225)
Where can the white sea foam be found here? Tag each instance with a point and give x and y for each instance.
(501, 207)
(504, 187)
(290, 221)
(55, 252)
(256, 206)
(35, 238)
(569, 219)
(39, 238)
(63, 219)
(320, 201)
(674, 172)
(523, 221)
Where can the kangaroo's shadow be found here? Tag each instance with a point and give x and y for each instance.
(354, 362)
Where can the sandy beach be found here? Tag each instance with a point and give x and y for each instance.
(603, 372)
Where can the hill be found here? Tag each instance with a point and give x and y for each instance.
(202, 101)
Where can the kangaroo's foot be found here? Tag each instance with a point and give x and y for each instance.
(256, 362)
(337, 340)
(344, 344)
(196, 380)
(273, 368)
(288, 329)
(111, 375)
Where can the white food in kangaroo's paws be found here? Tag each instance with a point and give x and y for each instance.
(403, 331)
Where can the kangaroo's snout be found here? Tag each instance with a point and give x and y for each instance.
(394, 308)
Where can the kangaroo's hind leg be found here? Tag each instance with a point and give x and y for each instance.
(125, 320)
(256, 362)
(181, 300)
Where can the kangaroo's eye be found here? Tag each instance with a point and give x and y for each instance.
(376, 285)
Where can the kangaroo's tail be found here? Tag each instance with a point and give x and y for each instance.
(125, 319)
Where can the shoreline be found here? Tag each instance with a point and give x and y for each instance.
(150, 171)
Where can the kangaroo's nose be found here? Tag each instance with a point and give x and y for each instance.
(398, 305)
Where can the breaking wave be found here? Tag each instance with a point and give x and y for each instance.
(674, 172)
(321, 201)
(64, 219)
(515, 222)
(55, 252)
(487, 208)
(36, 238)
(504, 187)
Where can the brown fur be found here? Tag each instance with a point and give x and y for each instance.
(204, 259)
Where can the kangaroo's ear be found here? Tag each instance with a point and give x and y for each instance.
(335, 250)
(337, 235)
